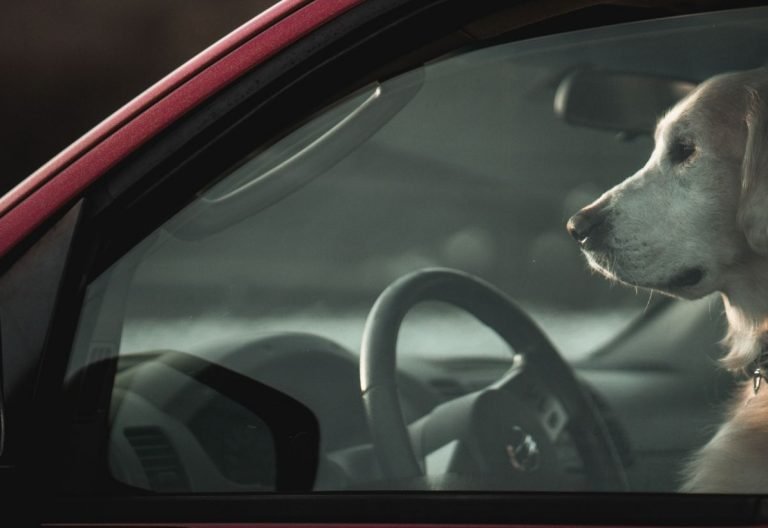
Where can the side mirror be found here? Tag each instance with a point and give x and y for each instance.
(294, 430)
(178, 423)
(630, 103)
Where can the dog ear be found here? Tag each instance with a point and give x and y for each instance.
(753, 203)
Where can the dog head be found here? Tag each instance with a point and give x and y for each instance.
(697, 213)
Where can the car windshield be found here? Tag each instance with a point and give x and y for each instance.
(473, 162)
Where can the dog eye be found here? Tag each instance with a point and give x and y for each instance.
(681, 151)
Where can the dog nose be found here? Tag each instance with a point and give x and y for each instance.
(588, 224)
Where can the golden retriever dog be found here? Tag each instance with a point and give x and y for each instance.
(692, 221)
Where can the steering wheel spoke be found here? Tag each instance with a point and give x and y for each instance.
(532, 394)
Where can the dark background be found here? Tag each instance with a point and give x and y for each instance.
(68, 65)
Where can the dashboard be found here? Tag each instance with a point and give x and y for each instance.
(170, 432)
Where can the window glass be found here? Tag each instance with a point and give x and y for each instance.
(472, 163)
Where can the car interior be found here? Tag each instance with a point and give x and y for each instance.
(398, 263)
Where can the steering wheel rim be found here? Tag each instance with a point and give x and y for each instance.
(496, 310)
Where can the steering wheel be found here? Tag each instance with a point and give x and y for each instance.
(508, 432)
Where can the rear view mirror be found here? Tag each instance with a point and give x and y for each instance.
(623, 102)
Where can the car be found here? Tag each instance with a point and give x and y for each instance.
(320, 275)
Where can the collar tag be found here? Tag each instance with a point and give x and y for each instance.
(760, 370)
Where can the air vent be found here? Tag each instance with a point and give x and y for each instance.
(159, 459)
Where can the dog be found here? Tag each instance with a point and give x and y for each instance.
(693, 221)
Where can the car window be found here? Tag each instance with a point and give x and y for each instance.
(452, 182)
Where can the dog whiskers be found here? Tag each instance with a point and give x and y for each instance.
(647, 304)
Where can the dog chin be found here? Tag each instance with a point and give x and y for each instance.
(686, 285)
(689, 283)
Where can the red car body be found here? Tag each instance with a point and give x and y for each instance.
(67, 176)
(63, 178)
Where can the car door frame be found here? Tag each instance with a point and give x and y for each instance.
(375, 40)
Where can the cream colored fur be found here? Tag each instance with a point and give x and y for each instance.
(708, 212)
